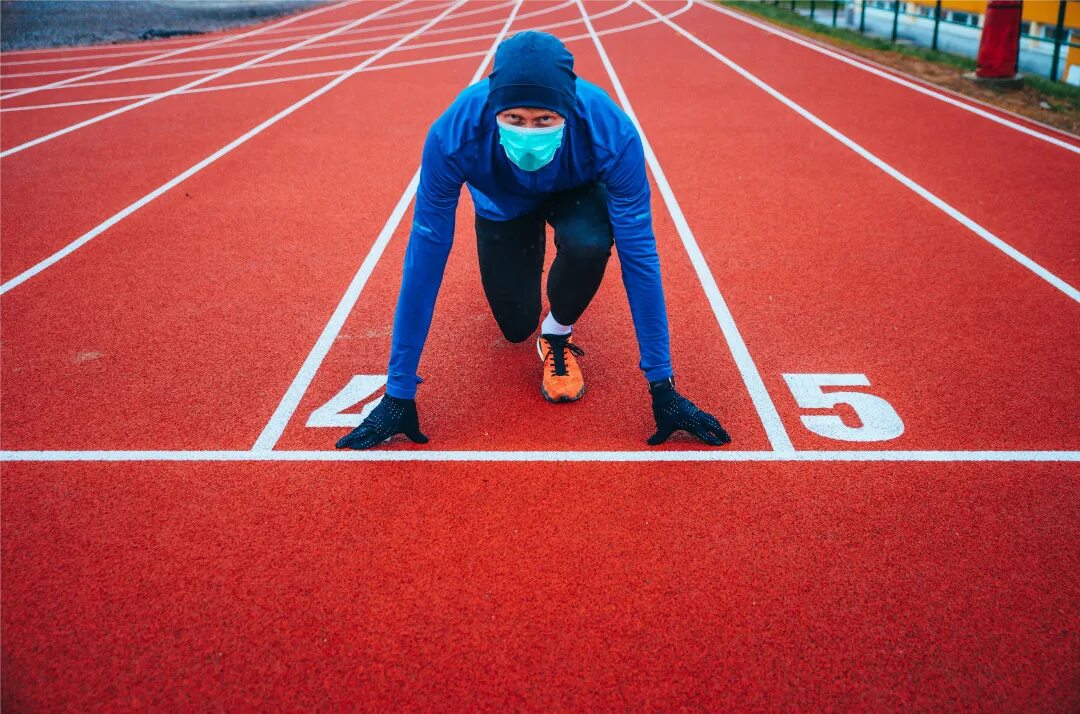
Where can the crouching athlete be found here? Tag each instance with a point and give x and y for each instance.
(536, 145)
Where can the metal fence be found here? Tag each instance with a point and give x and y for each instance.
(853, 14)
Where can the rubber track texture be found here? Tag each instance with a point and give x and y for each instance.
(537, 586)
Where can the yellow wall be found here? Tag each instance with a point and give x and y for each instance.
(1042, 11)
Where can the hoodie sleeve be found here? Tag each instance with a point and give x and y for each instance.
(631, 220)
(429, 245)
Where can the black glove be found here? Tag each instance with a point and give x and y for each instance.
(392, 416)
(674, 411)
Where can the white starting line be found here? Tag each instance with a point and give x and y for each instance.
(719, 455)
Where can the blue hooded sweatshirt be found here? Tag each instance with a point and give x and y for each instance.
(462, 146)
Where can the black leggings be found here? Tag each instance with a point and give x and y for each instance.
(512, 259)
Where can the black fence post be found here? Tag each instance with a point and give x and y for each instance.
(812, 4)
(895, 18)
(793, 5)
(835, 7)
(862, 16)
(1059, 35)
(937, 23)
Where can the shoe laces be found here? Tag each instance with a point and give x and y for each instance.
(559, 345)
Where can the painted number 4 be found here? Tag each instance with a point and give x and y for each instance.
(879, 421)
(359, 388)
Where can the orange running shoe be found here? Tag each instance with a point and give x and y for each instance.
(563, 381)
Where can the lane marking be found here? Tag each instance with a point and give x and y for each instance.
(893, 78)
(176, 90)
(361, 53)
(124, 213)
(159, 57)
(188, 40)
(334, 73)
(275, 427)
(341, 43)
(416, 456)
(916, 188)
(254, 83)
(770, 418)
(412, 63)
(306, 31)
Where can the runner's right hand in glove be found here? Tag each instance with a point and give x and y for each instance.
(673, 411)
(392, 416)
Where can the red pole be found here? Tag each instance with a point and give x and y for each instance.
(1000, 41)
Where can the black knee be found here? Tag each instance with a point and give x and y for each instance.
(516, 320)
(585, 244)
(518, 332)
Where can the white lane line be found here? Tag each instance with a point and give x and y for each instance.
(770, 418)
(340, 43)
(891, 77)
(304, 32)
(159, 57)
(916, 188)
(361, 53)
(256, 83)
(154, 45)
(116, 218)
(394, 65)
(275, 427)
(418, 455)
(176, 90)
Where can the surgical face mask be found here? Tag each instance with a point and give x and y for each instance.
(530, 149)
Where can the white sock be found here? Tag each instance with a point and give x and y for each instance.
(552, 326)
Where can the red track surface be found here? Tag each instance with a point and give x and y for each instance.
(784, 583)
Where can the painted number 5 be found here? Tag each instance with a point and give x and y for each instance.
(880, 422)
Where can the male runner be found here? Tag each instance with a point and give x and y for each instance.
(536, 145)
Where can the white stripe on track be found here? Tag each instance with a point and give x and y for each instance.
(154, 45)
(361, 53)
(419, 455)
(157, 58)
(770, 418)
(275, 427)
(340, 43)
(255, 83)
(394, 65)
(916, 188)
(177, 90)
(306, 31)
(116, 218)
(865, 66)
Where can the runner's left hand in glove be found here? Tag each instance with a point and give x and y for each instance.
(674, 411)
(392, 416)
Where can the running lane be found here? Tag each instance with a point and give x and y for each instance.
(181, 326)
(332, 55)
(20, 127)
(56, 191)
(1018, 187)
(481, 392)
(832, 267)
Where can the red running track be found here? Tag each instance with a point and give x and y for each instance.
(834, 582)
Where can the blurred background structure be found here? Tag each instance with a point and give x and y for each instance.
(1049, 31)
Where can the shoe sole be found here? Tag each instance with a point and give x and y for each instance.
(556, 400)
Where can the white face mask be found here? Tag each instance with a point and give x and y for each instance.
(530, 149)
